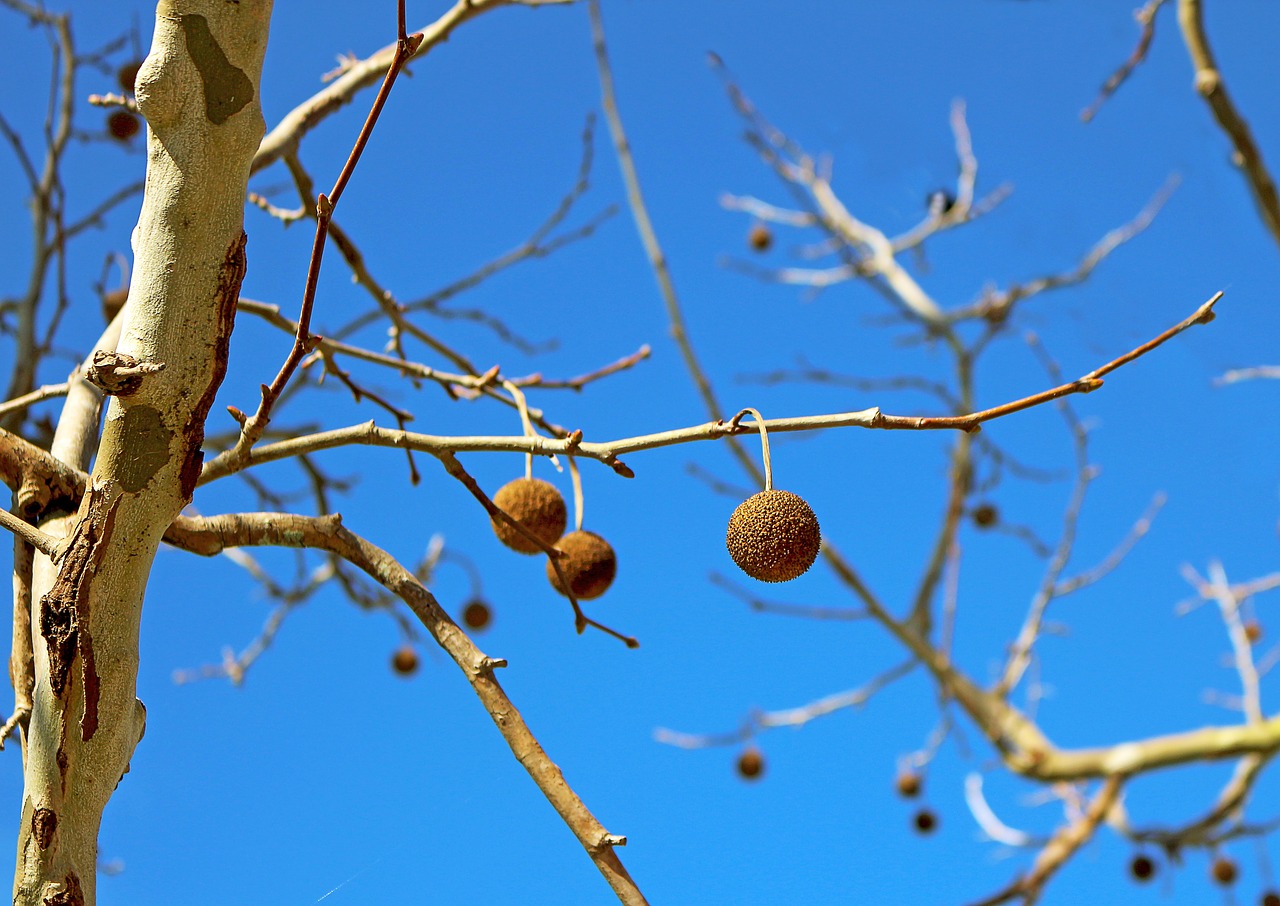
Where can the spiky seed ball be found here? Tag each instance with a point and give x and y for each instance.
(1142, 868)
(123, 125)
(589, 564)
(985, 515)
(909, 785)
(750, 764)
(773, 536)
(538, 506)
(405, 661)
(925, 821)
(1271, 898)
(127, 75)
(476, 614)
(1224, 871)
(760, 238)
(1253, 631)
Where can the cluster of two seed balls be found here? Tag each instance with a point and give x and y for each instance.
(589, 563)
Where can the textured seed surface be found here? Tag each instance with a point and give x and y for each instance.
(773, 536)
(589, 565)
(538, 506)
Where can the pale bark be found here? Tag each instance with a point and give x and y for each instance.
(199, 92)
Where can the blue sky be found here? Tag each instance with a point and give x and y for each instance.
(326, 779)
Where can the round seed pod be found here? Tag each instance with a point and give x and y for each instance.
(123, 125)
(1271, 898)
(589, 565)
(773, 536)
(538, 506)
(1224, 871)
(127, 75)
(405, 661)
(1142, 868)
(909, 785)
(985, 515)
(925, 821)
(476, 615)
(750, 764)
(760, 238)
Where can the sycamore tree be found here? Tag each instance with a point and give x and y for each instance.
(174, 404)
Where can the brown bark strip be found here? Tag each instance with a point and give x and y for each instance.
(230, 276)
(44, 824)
(70, 895)
(64, 617)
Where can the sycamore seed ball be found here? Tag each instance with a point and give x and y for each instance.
(538, 506)
(589, 565)
(773, 536)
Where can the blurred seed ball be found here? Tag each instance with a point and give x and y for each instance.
(1142, 868)
(538, 506)
(773, 536)
(476, 615)
(589, 565)
(113, 301)
(751, 764)
(1271, 898)
(760, 238)
(939, 202)
(127, 75)
(1224, 871)
(909, 784)
(985, 515)
(405, 661)
(1253, 631)
(925, 821)
(123, 125)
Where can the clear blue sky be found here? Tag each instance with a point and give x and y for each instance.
(326, 779)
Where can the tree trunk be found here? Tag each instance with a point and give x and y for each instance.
(198, 90)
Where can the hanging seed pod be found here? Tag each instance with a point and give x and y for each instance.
(773, 536)
(589, 565)
(535, 504)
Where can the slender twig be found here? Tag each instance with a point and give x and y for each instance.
(1146, 17)
(1210, 85)
(253, 426)
(609, 452)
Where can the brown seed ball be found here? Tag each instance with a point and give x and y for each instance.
(123, 125)
(773, 536)
(1142, 868)
(476, 615)
(113, 301)
(589, 565)
(127, 75)
(760, 238)
(925, 821)
(1253, 632)
(985, 515)
(1224, 871)
(405, 661)
(751, 764)
(909, 785)
(538, 506)
(1271, 898)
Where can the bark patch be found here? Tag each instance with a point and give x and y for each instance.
(226, 88)
(148, 447)
(230, 276)
(70, 895)
(44, 824)
(64, 610)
